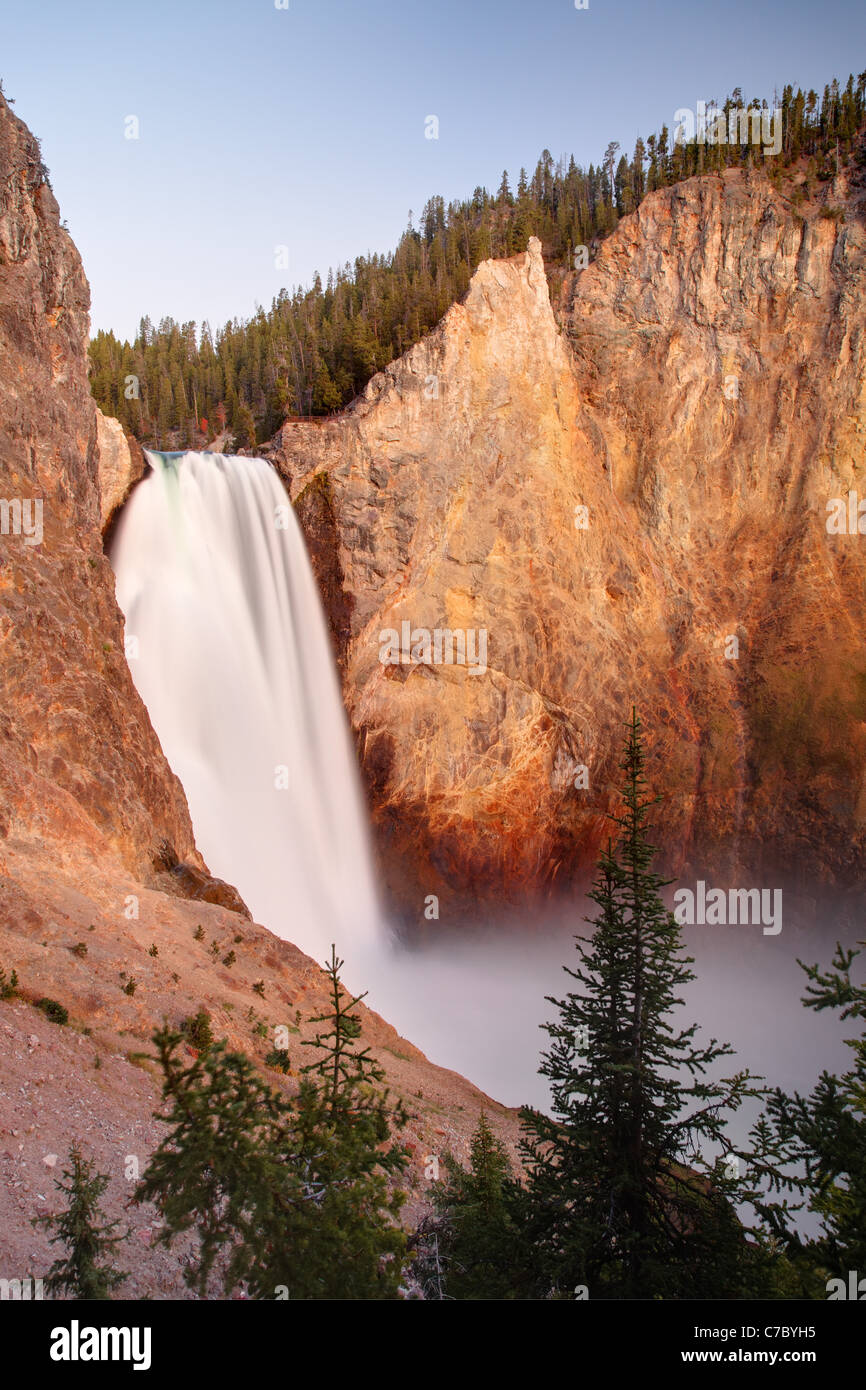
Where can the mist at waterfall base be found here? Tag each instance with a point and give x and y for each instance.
(229, 650)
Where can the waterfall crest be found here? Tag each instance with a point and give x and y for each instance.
(229, 650)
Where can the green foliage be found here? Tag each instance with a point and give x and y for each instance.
(316, 349)
(198, 934)
(197, 1031)
(469, 1249)
(86, 1272)
(131, 985)
(58, 1013)
(8, 987)
(279, 1059)
(824, 1134)
(288, 1197)
(620, 1196)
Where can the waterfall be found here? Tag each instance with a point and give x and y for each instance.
(227, 644)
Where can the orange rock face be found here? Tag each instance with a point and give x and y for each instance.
(629, 498)
(80, 765)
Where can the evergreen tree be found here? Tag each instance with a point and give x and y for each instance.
(244, 427)
(86, 1272)
(343, 1148)
(324, 344)
(610, 155)
(468, 1248)
(619, 1196)
(826, 1134)
(290, 1197)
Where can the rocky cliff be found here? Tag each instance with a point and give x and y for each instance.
(627, 492)
(80, 764)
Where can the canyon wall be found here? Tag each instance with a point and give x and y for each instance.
(80, 766)
(627, 492)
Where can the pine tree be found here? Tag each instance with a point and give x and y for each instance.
(824, 1135)
(245, 428)
(290, 1197)
(218, 1173)
(85, 1273)
(610, 155)
(619, 1196)
(342, 1145)
(326, 343)
(467, 1248)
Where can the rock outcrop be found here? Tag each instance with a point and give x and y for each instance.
(121, 465)
(631, 501)
(80, 765)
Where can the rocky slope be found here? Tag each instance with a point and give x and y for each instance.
(79, 943)
(628, 492)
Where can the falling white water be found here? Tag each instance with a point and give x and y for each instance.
(228, 648)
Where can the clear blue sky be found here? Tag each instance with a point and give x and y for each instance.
(305, 127)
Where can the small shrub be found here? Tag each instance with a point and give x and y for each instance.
(58, 1013)
(130, 986)
(261, 1029)
(230, 959)
(198, 934)
(259, 988)
(79, 949)
(154, 950)
(279, 1059)
(197, 1031)
(238, 939)
(8, 987)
